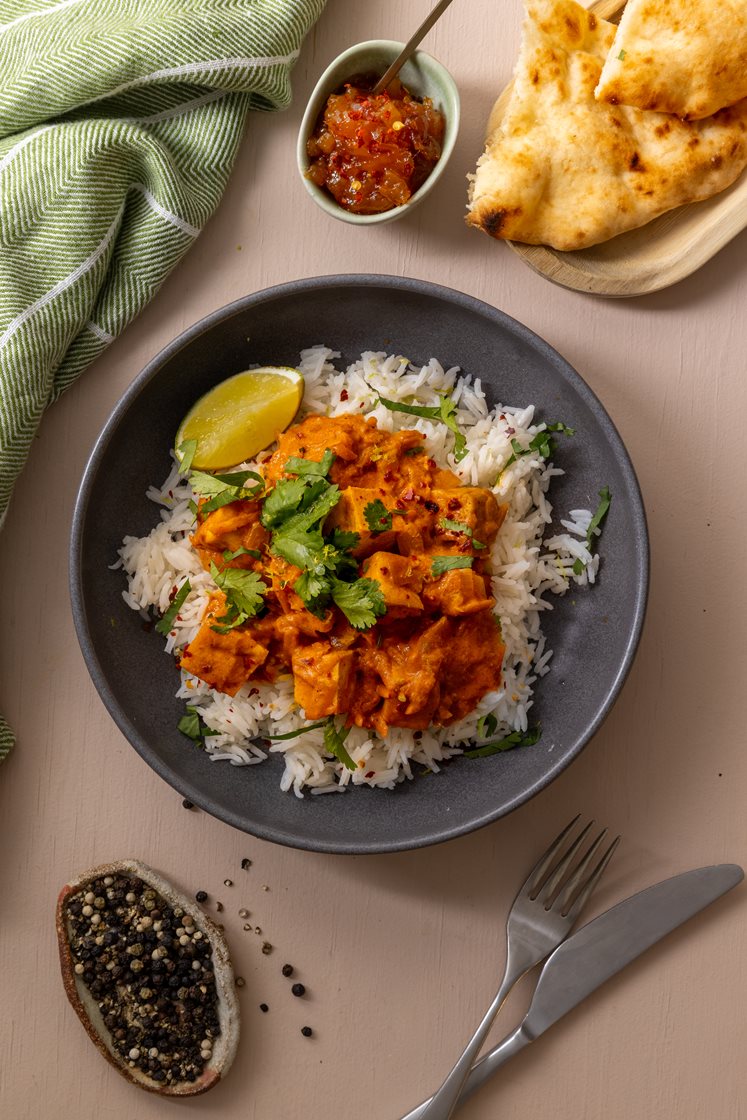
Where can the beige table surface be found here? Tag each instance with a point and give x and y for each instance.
(401, 953)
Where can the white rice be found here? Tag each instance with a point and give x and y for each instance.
(526, 570)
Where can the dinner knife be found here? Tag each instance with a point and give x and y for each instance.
(598, 951)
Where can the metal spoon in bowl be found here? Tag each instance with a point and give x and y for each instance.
(410, 46)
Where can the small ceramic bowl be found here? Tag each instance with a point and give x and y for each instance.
(422, 75)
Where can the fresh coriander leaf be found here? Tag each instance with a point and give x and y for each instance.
(221, 490)
(282, 501)
(185, 454)
(334, 743)
(419, 450)
(515, 739)
(605, 501)
(244, 588)
(311, 587)
(315, 512)
(559, 426)
(542, 442)
(225, 498)
(486, 726)
(455, 526)
(229, 556)
(448, 414)
(621, 55)
(192, 726)
(344, 541)
(301, 547)
(445, 411)
(378, 517)
(206, 485)
(193, 507)
(443, 564)
(244, 592)
(307, 467)
(460, 527)
(594, 530)
(238, 478)
(361, 602)
(298, 731)
(165, 623)
(430, 412)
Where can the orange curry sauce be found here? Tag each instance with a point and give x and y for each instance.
(438, 648)
(372, 153)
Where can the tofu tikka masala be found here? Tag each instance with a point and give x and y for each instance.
(370, 573)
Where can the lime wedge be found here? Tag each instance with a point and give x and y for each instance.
(241, 416)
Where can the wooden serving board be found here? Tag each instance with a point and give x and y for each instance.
(654, 256)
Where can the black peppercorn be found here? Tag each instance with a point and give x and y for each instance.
(246, 864)
(298, 990)
(113, 945)
(287, 970)
(306, 1032)
(263, 1007)
(187, 804)
(201, 896)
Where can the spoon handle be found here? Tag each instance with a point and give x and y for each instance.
(410, 46)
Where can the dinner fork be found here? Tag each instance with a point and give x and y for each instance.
(542, 916)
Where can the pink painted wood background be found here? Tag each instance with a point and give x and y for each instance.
(401, 953)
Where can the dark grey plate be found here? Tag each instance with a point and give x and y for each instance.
(594, 633)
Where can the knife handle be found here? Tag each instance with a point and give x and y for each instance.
(483, 1069)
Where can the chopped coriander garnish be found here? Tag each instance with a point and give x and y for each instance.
(362, 601)
(594, 530)
(460, 527)
(282, 501)
(345, 541)
(244, 592)
(621, 55)
(445, 411)
(165, 623)
(378, 517)
(542, 442)
(295, 511)
(515, 739)
(185, 454)
(192, 726)
(306, 467)
(222, 489)
(443, 564)
(486, 726)
(298, 731)
(559, 426)
(334, 743)
(229, 556)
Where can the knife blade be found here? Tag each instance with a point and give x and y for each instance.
(598, 951)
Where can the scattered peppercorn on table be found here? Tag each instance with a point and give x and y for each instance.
(359, 978)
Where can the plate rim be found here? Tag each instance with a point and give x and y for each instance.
(145, 376)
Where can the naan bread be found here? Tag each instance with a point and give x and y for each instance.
(565, 170)
(687, 57)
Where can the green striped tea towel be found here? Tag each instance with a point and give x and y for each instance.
(119, 124)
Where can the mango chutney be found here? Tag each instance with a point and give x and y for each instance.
(373, 152)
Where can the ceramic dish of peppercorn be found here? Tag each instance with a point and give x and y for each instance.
(149, 977)
(368, 158)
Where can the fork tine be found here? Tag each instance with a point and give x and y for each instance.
(565, 894)
(583, 895)
(551, 886)
(538, 872)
